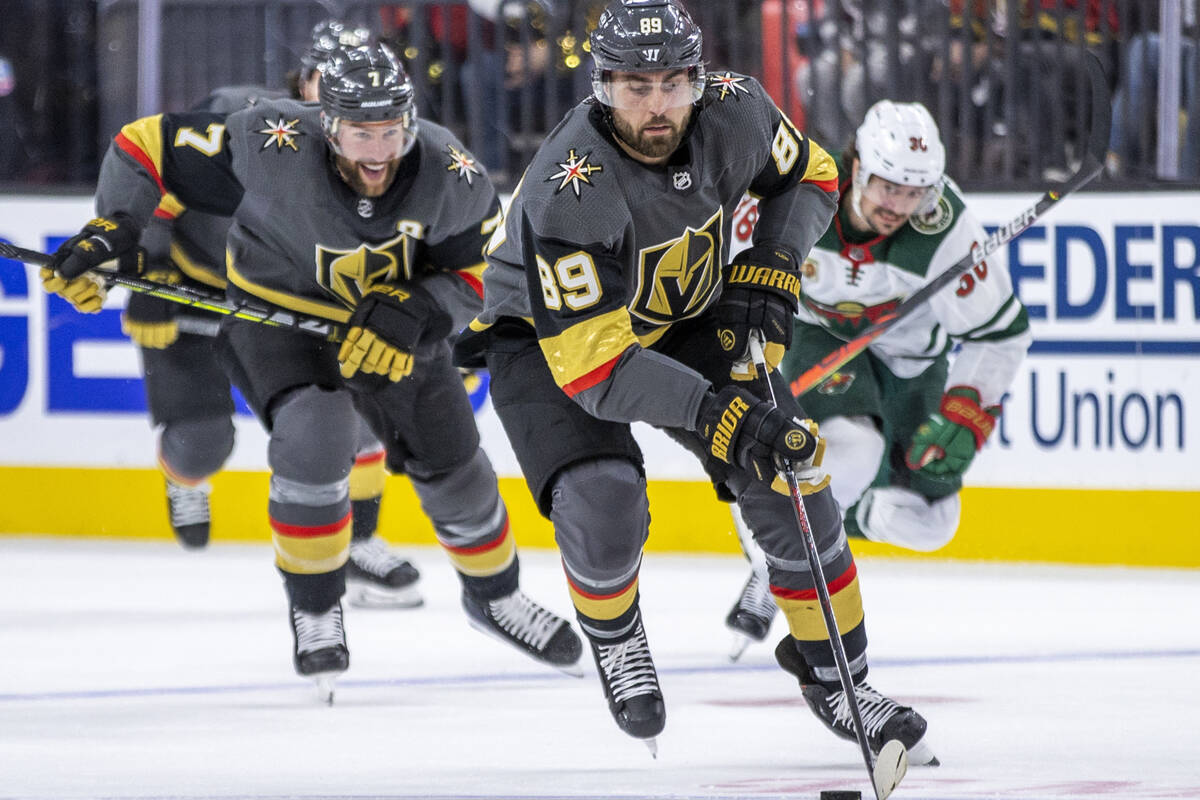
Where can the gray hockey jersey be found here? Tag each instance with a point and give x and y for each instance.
(302, 239)
(602, 254)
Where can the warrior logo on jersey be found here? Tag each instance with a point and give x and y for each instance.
(677, 279)
(728, 84)
(935, 221)
(463, 164)
(574, 172)
(351, 273)
(280, 133)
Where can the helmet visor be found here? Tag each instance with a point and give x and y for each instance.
(898, 198)
(649, 91)
(374, 142)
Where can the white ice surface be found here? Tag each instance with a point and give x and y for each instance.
(138, 670)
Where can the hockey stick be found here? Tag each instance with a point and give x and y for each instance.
(195, 297)
(1093, 163)
(886, 772)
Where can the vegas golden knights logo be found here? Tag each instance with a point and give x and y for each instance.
(351, 273)
(676, 279)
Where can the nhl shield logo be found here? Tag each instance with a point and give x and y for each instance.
(682, 181)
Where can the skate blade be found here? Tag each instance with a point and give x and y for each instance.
(652, 746)
(325, 681)
(362, 595)
(921, 755)
(574, 669)
(741, 642)
(890, 767)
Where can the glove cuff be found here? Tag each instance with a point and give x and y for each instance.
(765, 269)
(961, 405)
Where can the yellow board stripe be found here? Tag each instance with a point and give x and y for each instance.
(1067, 526)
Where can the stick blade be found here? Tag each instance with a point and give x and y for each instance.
(890, 767)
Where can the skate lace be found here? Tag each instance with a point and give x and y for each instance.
(316, 631)
(188, 505)
(756, 598)
(374, 557)
(628, 667)
(524, 619)
(873, 707)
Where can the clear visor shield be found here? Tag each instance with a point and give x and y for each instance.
(649, 91)
(373, 142)
(898, 198)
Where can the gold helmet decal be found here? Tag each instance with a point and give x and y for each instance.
(351, 273)
(676, 279)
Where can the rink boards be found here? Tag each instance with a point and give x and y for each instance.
(1096, 460)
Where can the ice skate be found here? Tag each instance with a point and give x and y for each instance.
(187, 507)
(883, 718)
(378, 578)
(320, 650)
(631, 686)
(751, 616)
(535, 631)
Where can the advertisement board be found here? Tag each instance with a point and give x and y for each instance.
(1108, 398)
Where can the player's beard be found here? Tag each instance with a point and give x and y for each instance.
(360, 182)
(651, 146)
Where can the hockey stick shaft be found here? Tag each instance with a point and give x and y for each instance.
(203, 299)
(1093, 163)
(818, 572)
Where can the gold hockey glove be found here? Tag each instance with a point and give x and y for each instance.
(388, 326)
(85, 292)
(150, 322)
(101, 240)
(741, 430)
(761, 291)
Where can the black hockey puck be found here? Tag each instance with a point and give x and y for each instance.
(841, 795)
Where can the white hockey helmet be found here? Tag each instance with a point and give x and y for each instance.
(899, 142)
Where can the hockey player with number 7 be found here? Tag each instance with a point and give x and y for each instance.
(608, 300)
(355, 211)
(903, 420)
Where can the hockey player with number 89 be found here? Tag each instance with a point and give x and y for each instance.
(903, 420)
(608, 300)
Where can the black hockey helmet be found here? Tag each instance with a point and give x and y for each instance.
(328, 35)
(645, 36)
(366, 84)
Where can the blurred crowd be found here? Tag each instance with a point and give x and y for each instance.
(1005, 78)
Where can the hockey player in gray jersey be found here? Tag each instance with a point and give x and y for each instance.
(607, 300)
(188, 393)
(352, 211)
(903, 420)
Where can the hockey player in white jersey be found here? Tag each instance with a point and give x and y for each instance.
(903, 420)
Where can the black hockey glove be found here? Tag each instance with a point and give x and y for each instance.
(746, 432)
(762, 291)
(387, 327)
(151, 322)
(103, 239)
